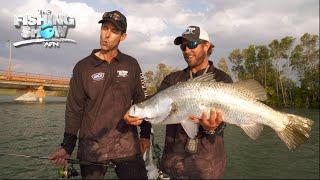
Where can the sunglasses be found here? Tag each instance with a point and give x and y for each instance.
(190, 45)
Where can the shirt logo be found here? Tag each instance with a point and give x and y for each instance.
(122, 73)
(97, 76)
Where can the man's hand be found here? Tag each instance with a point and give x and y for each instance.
(144, 144)
(132, 120)
(209, 123)
(59, 157)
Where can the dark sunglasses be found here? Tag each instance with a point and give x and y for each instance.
(190, 45)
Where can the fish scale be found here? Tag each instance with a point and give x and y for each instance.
(239, 102)
(214, 95)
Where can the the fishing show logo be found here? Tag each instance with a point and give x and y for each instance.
(45, 27)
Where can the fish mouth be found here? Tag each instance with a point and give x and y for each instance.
(150, 119)
(147, 118)
(133, 114)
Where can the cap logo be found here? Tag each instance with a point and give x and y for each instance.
(189, 30)
(114, 16)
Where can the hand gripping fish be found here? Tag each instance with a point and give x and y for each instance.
(240, 103)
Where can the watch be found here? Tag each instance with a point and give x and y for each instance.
(210, 132)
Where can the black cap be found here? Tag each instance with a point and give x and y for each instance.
(193, 33)
(116, 18)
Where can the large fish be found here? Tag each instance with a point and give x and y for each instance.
(239, 102)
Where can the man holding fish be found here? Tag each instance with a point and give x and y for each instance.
(200, 155)
(194, 149)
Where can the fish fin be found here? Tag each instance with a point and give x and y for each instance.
(190, 127)
(204, 78)
(254, 87)
(174, 109)
(171, 117)
(252, 130)
(296, 132)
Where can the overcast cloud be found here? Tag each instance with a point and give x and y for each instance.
(152, 27)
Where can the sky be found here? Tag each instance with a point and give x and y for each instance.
(152, 27)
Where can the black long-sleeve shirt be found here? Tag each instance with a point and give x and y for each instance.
(209, 160)
(100, 94)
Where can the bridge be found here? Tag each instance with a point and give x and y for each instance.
(34, 84)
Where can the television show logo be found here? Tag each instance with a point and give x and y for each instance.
(45, 27)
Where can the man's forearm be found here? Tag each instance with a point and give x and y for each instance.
(69, 142)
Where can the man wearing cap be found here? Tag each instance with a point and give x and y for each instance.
(102, 88)
(203, 157)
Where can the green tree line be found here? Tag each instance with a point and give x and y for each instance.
(153, 79)
(287, 68)
(277, 64)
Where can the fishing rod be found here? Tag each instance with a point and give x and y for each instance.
(69, 160)
(66, 172)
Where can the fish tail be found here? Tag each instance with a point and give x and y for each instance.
(296, 132)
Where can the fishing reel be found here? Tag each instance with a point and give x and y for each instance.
(163, 176)
(68, 172)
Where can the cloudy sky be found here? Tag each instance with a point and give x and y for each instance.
(152, 27)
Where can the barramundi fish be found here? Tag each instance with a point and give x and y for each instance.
(240, 103)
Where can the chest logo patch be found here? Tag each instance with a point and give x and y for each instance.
(97, 76)
(122, 73)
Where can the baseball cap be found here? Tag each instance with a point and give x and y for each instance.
(193, 33)
(116, 18)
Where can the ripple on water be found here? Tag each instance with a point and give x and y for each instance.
(37, 129)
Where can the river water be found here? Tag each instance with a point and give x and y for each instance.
(37, 129)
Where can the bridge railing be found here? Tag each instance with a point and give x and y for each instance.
(33, 77)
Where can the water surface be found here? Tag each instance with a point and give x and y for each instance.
(37, 129)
